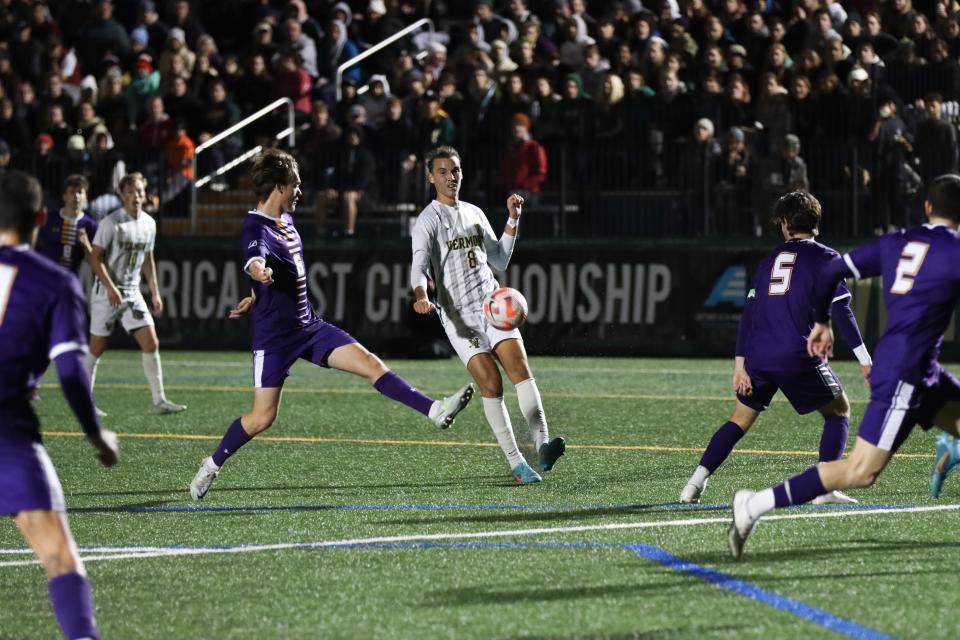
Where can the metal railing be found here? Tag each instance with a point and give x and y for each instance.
(289, 133)
(380, 46)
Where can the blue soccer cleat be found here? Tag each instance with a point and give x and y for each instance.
(524, 474)
(946, 459)
(550, 452)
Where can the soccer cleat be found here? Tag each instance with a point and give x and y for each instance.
(204, 478)
(691, 493)
(524, 474)
(453, 405)
(100, 412)
(550, 452)
(743, 524)
(946, 459)
(834, 497)
(165, 407)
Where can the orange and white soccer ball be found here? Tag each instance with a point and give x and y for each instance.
(505, 309)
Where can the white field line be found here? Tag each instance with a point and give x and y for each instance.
(115, 553)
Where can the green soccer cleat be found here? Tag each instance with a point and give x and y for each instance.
(524, 474)
(946, 459)
(550, 452)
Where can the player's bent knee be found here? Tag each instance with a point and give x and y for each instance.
(59, 562)
(259, 422)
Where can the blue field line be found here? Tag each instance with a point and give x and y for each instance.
(670, 506)
(753, 592)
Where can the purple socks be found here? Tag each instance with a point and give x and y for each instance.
(233, 439)
(73, 605)
(834, 438)
(799, 489)
(396, 388)
(721, 444)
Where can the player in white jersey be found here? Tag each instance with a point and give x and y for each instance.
(122, 251)
(454, 241)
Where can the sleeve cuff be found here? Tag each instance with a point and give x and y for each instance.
(246, 267)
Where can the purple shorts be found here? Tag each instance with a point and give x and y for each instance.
(271, 366)
(28, 480)
(897, 406)
(806, 389)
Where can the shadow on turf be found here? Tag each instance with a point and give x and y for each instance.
(470, 596)
(547, 515)
(861, 548)
(655, 634)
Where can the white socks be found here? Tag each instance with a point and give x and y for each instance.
(91, 363)
(154, 374)
(499, 420)
(528, 397)
(699, 477)
(435, 409)
(760, 503)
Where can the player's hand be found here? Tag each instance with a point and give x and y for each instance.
(424, 307)
(84, 240)
(866, 369)
(820, 342)
(157, 304)
(266, 276)
(114, 297)
(742, 383)
(108, 450)
(243, 308)
(515, 205)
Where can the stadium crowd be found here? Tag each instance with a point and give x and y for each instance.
(721, 100)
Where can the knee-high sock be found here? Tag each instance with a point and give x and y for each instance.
(720, 446)
(91, 362)
(799, 489)
(154, 374)
(834, 438)
(73, 605)
(499, 420)
(233, 439)
(396, 388)
(528, 396)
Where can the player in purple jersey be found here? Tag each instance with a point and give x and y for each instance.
(42, 318)
(772, 345)
(908, 386)
(65, 236)
(285, 326)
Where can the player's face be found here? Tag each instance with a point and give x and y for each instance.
(445, 176)
(291, 194)
(133, 196)
(75, 198)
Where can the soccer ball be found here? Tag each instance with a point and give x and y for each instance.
(505, 309)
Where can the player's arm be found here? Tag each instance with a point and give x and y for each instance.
(500, 251)
(422, 240)
(149, 271)
(255, 257)
(847, 327)
(244, 306)
(68, 346)
(100, 271)
(741, 380)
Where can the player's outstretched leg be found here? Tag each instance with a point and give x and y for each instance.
(496, 412)
(548, 450)
(718, 450)
(833, 441)
(444, 412)
(946, 459)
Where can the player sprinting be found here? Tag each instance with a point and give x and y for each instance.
(453, 240)
(42, 318)
(65, 237)
(772, 349)
(122, 250)
(285, 326)
(908, 386)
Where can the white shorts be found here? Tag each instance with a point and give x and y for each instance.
(472, 334)
(132, 313)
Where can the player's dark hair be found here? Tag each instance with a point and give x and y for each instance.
(441, 152)
(271, 169)
(20, 199)
(943, 194)
(76, 181)
(800, 210)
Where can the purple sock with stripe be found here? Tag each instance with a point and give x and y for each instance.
(396, 388)
(73, 605)
(233, 439)
(799, 489)
(833, 441)
(720, 446)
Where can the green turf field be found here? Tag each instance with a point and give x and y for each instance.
(446, 545)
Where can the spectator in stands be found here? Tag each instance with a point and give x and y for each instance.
(700, 165)
(177, 48)
(493, 26)
(944, 71)
(219, 113)
(57, 128)
(102, 35)
(182, 105)
(146, 82)
(353, 180)
(178, 152)
(515, 99)
(254, 87)
(9, 79)
(773, 112)
(433, 127)
(593, 68)
(76, 160)
(87, 120)
(789, 171)
(107, 167)
(936, 141)
(25, 52)
(152, 137)
(396, 154)
(608, 113)
(263, 44)
(883, 43)
(13, 130)
(188, 25)
(207, 48)
(803, 110)
(503, 64)
(336, 49)
(47, 165)
(892, 143)
(735, 165)
(318, 141)
(523, 166)
(156, 29)
(303, 45)
(290, 80)
(5, 157)
(54, 94)
(203, 76)
(374, 101)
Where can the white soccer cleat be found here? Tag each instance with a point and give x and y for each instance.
(205, 476)
(453, 405)
(834, 497)
(165, 407)
(691, 493)
(100, 412)
(743, 524)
